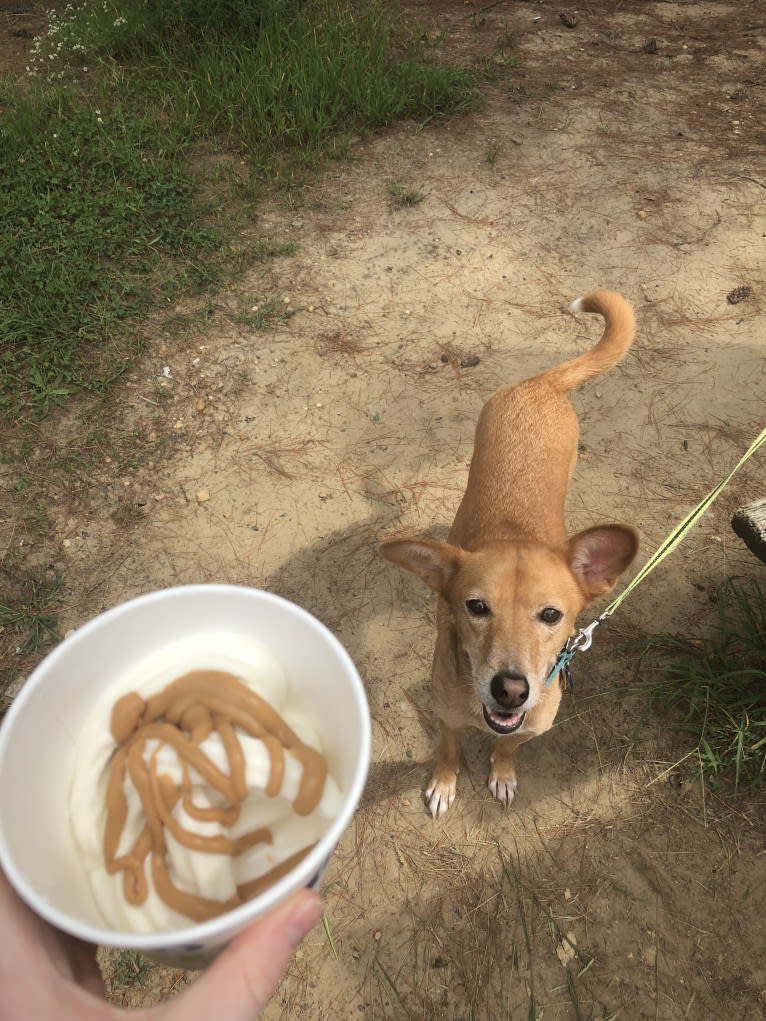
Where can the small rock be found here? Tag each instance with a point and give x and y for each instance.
(203, 495)
(470, 362)
(642, 214)
(650, 46)
(568, 18)
(200, 405)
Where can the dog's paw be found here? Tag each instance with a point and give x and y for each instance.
(503, 788)
(439, 796)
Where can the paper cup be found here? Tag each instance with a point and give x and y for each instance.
(39, 734)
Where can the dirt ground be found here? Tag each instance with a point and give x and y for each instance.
(626, 151)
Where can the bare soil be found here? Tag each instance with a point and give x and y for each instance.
(626, 151)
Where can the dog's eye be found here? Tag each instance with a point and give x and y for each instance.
(477, 607)
(550, 615)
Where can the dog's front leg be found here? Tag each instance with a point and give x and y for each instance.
(440, 793)
(502, 774)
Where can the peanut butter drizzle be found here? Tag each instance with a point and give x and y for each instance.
(182, 715)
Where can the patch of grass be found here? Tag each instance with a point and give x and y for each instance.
(27, 616)
(267, 77)
(95, 209)
(130, 969)
(505, 53)
(100, 216)
(718, 683)
(402, 196)
(264, 315)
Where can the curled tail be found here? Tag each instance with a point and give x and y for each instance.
(618, 335)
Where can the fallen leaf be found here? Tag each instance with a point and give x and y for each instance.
(566, 950)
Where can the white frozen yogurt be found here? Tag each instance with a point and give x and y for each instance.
(213, 876)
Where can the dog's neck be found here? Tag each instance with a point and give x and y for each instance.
(550, 532)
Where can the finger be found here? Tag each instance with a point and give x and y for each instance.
(38, 964)
(241, 982)
(81, 965)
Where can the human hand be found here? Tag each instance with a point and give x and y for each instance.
(46, 974)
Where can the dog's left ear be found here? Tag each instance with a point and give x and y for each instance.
(433, 562)
(598, 556)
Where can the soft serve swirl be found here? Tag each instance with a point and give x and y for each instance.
(209, 785)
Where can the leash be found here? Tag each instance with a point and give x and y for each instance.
(584, 637)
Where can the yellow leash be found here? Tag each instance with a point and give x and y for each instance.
(584, 637)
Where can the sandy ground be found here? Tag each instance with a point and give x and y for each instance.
(627, 152)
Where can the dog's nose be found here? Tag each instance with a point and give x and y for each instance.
(509, 690)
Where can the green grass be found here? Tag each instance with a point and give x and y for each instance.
(264, 76)
(101, 220)
(98, 224)
(130, 969)
(404, 197)
(29, 617)
(718, 686)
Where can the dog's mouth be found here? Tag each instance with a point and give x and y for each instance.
(503, 723)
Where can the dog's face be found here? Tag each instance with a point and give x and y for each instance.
(512, 606)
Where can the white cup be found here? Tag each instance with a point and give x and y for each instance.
(39, 735)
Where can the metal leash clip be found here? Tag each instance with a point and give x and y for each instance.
(583, 640)
(577, 643)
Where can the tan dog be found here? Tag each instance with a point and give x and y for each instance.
(510, 582)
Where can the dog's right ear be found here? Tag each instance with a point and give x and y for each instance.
(433, 562)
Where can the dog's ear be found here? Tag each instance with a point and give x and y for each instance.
(433, 562)
(599, 555)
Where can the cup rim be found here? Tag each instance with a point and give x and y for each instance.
(215, 930)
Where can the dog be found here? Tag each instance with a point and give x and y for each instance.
(510, 581)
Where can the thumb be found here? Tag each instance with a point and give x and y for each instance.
(239, 984)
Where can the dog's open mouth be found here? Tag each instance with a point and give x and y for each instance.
(503, 723)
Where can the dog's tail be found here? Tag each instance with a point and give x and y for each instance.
(617, 338)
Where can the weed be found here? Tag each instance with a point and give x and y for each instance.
(491, 154)
(328, 934)
(402, 196)
(719, 685)
(505, 55)
(130, 969)
(264, 315)
(29, 615)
